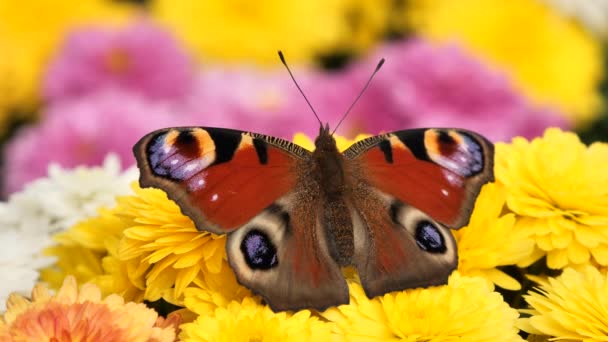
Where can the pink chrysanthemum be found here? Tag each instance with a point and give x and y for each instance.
(82, 132)
(264, 101)
(422, 85)
(142, 58)
(419, 86)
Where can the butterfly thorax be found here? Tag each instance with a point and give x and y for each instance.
(328, 165)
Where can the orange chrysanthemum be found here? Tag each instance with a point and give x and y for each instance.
(73, 315)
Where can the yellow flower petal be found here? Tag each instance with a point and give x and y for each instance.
(250, 321)
(571, 306)
(558, 188)
(465, 309)
(491, 239)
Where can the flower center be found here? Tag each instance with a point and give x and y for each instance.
(117, 61)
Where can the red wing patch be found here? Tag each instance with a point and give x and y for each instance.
(424, 185)
(220, 178)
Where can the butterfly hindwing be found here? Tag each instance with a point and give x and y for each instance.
(220, 178)
(410, 188)
(398, 246)
(283, 255)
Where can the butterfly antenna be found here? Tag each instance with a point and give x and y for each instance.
(359, 96)
(298, 86)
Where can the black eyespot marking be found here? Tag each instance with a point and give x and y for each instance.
(428, 238)
(185, 138)
(187, 145)
(446, 138)
(258, 250)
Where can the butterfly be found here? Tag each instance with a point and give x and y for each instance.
(295, 218)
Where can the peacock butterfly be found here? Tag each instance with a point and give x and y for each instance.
(294, 218)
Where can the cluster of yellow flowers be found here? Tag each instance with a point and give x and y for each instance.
(549, 200)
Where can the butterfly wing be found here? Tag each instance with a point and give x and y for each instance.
(257, 189)
(283, 255)
(410, 187)
(220, 178)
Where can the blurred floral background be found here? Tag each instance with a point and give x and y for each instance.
(81, 82)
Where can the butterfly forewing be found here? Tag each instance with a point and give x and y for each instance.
(219, 177)
(439, 171)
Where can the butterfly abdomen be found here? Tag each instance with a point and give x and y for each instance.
(339, 229)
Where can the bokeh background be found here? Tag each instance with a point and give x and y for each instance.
(80, 80)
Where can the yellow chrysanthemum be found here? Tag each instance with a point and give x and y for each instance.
(214, 290)
(549, 57)
(250, 321)
(80, 262)
(86, 251)
(164, 246)
(490, 241)
(570, 307)
(466, 309)
(558, 188)
(147, 250)
(365, 22)
(233, 31)
(73, 315)
(26, 48)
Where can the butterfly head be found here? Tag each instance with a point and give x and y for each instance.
(325, 142)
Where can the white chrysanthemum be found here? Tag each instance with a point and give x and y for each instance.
(20, 259)
(66, 196)
(47, 206)
(593, 14)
